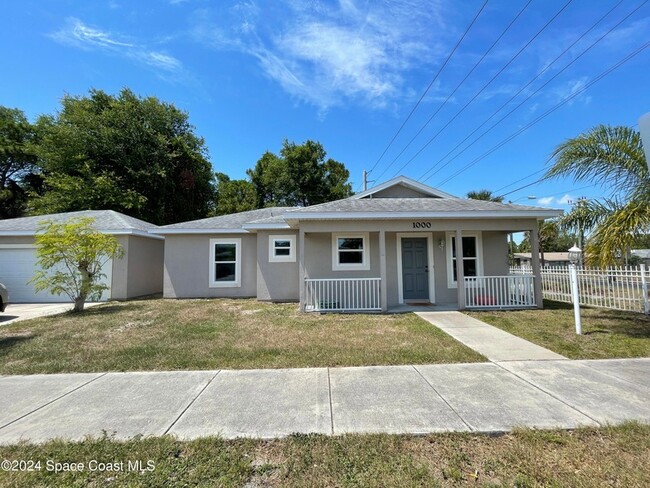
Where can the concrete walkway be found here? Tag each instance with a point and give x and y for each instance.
(495, 344)
(479, 397)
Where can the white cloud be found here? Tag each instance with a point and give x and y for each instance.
(331, 54)
(566, 199)
(82, 36)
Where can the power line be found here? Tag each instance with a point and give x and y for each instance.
(539, 32)
(442, 67)
(521, 179)
(548, 112)
(440, 107)
(548, 66)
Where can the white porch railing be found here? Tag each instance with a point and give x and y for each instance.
(515, 291)
(342, 295)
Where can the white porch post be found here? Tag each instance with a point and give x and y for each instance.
(460, 272)
(382, 271)
(537, 270)
(301, 268)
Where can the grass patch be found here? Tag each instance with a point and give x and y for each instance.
(612, 456)
(605, 333)
(219, 333)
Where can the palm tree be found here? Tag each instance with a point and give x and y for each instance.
(484, 195)
(612, 157)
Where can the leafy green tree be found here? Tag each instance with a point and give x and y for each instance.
(139, 156)
(71, 256)
(234, 196)
(484, 195)
(612, 157)
(299, 176)
(17, 161)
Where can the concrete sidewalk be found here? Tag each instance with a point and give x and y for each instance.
(479, 397)
(495, 344)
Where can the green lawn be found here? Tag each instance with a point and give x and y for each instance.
(606, 333)
(612, 456)
(219, 333)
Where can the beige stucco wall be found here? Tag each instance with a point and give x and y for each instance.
(399, 191)
(16, 240)
(187, 266)
(145, 266)
(276, 282)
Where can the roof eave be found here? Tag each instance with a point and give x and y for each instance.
(200, 231)
(139, 233)
(475, 214)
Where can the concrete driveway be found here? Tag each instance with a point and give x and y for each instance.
(25, 311)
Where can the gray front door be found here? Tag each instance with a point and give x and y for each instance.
(415, 268)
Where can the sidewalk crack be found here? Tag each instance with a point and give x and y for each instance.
(191, 403)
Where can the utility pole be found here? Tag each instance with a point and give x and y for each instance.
(365, 180)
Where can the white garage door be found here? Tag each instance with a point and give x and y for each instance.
(17, 267)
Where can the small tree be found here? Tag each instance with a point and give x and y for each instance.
(71, 256)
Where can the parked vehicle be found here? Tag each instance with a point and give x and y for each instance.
(4, 297)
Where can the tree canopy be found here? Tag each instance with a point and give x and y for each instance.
(17, 161)
(299, 176)
(139, 156)
(234, 196)
(484, 195)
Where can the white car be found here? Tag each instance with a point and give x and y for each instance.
(4, 297)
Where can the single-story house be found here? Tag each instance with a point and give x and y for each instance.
(643, 255)
(399, 243)
(550, 259)
(138, 273)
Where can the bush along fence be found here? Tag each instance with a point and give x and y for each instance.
(618, 288)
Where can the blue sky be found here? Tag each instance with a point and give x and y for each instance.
(347, 73)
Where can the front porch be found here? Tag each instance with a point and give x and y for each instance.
(397, 271)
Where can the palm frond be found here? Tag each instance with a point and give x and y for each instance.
(610, 156)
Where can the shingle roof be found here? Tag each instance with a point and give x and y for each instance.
(381, 205)
(105, 220)
(231, 221)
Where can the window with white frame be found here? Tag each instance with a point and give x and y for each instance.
(350, 252)
(472, 257)
(225, 263)
(282, 249)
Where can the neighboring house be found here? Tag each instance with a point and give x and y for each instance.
(138, 273)
(393, 245)
(550, 259)
(643, 255)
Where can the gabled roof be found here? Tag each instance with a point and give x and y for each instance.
(107, 221)
(225, 224)
(406, 182)
(396, 208)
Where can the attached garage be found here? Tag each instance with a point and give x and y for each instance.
(138, 273)
(18, 264)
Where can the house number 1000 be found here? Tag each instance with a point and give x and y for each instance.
(421, 225)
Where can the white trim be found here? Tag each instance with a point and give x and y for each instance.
(407, 182)
(140, 233)
(365, 263)
(450, 263)
(432, 280)
(225, 284)
(200, 231)
(474, 214)
(17, 246)
(278, 226)
(291, 258)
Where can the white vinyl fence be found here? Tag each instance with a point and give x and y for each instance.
(618, 288)
(500, 292)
